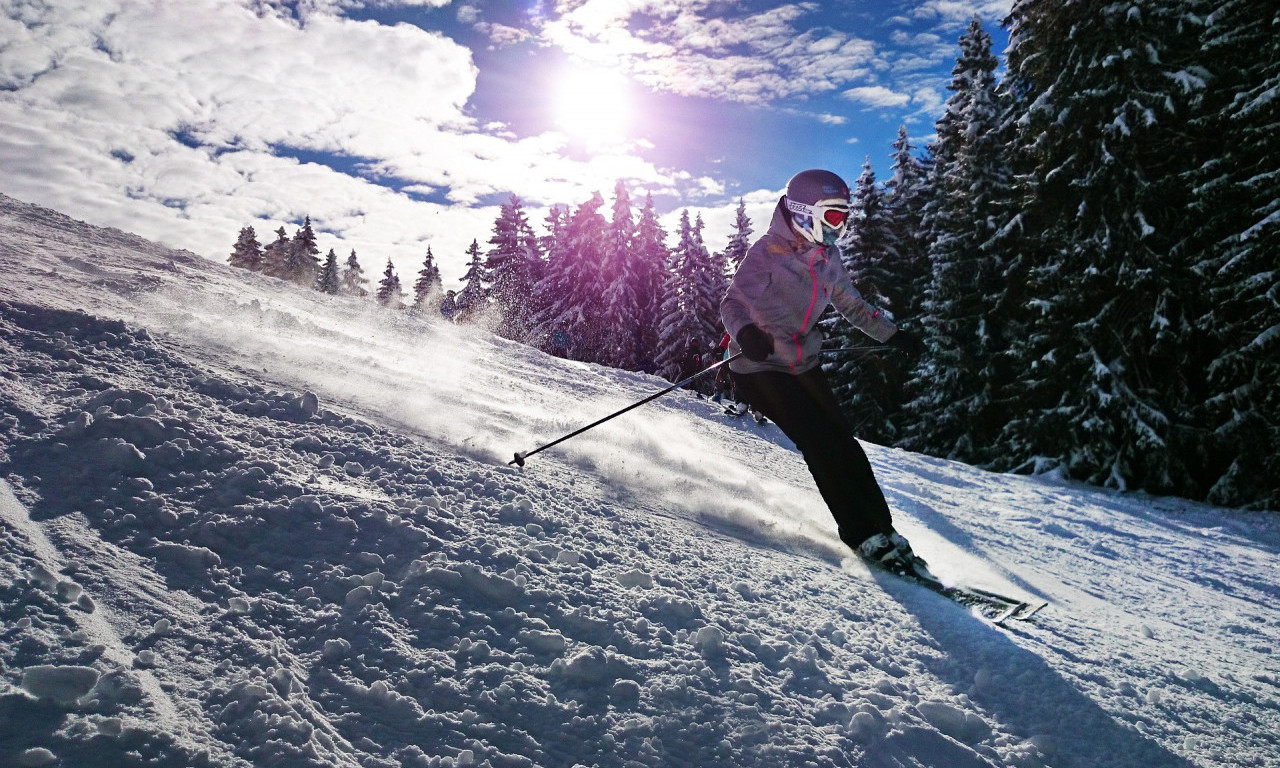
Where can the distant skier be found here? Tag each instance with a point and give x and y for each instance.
(771, 310)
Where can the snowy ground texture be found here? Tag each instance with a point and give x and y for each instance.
(248, 526)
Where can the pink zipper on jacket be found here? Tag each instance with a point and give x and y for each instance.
(808, 313)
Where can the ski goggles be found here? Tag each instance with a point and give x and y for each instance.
(833, 213)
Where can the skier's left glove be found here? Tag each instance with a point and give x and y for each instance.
(907, 343)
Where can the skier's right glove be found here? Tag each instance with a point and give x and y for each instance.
(907, 343)
(755, 343)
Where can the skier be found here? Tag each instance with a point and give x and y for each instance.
(771, 310)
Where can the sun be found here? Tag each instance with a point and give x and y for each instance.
(592, 105)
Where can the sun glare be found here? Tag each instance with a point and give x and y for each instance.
(593, 105)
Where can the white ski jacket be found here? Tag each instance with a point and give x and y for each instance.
(783, 286)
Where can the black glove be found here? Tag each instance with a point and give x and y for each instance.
(755, 343)
(907, 343)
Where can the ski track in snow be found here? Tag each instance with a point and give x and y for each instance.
(242, 525)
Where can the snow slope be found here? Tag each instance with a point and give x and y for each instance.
(252, 526)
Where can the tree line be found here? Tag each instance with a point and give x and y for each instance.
(1088, 247)
(595, 288)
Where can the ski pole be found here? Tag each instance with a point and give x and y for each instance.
(520, 457)
(860, 350)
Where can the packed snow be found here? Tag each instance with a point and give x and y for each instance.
(246, 524)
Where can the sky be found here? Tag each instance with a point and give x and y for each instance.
(399, 125)
(247, 525)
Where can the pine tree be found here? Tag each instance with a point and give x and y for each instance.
(871, 387)
(275, 255)
(474, 297)
(905, 194)
(514, 266)
(709, 284)
(570, 319)
(1105, 391)
(328, 281)
(353, 279)
(621, 286)
(960, 413)
(690, 315)
(1236, 215)
(429, 287)
(247, 252)
(301, 259)
(739, 241)
(650, 263)
(390, 294)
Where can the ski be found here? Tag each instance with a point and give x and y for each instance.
(995, 607)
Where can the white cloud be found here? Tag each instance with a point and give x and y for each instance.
(753, 58)
(961, 11)
(877, 96)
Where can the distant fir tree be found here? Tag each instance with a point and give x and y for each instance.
(619, 270)
(707, 286)
(328, 281)
(962, 410)
(514, 265)
(650, 262)
(739, 241)
(390, 293)
(474, 296)
(1235, 217)
(353, 279)
(1106, 384)
(717, 279)
(247, 252)
(302, 261)
(570, 296)
(544, 335)
(429, 287)
(275, 255)
(870, 387)
(690, 317)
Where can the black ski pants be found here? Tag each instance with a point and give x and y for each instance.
(805, 409)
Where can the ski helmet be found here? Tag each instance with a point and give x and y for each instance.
(819, 205)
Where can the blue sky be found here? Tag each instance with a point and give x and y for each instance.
(398, 124)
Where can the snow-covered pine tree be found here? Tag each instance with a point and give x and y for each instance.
(1106, 384)
(690, 308)
(621, 298)
(870, 387)
(905, 194)
(302, 261)
(1236, 217)
(390, 294)
(247, 252)
(514, 265)
(960, 413)
(353, 279)
(650, 263)
(328, 281)
(428, 289)
(570, 318)
(716, 283)
(739, 241)
(275, 255)
(473, 299)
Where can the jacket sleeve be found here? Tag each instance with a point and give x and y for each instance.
(738, 308)
(864, 316)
